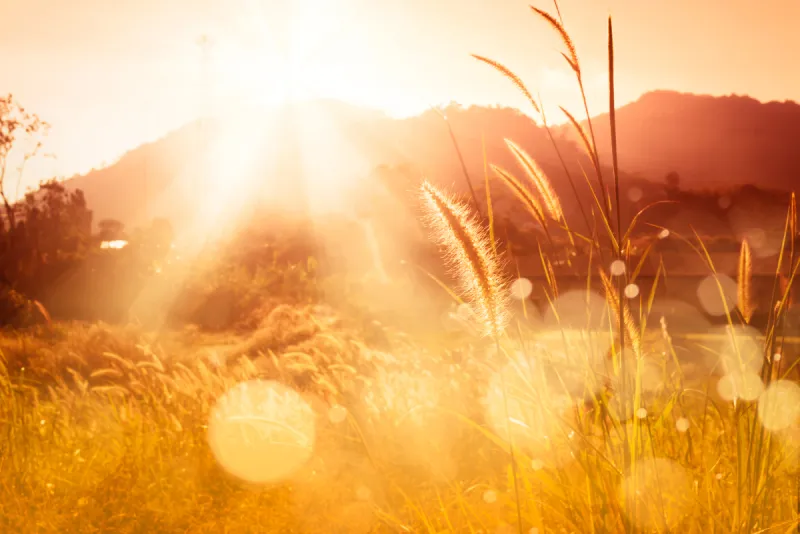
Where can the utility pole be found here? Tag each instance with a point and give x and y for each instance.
(205, 43)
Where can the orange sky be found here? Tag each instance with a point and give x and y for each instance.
(110, 74)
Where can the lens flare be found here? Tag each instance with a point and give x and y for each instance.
(779, 406)
(740, 350)
(631, 291)
(261, 432)
(529, 400)
(337, 414)
(617, 268)
(682, 425)
(578, 309)
(404, 410)
(714, 301)
(746, 386)
(635, 194)
(521, 288)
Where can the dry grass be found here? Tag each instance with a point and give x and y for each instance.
(537, 177)
(471, 257)
(582, 417)
(744, 280)
(124, 447)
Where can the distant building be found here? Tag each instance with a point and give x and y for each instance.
(116, 244)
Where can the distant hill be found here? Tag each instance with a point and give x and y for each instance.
(326, 147)
(160, 178)
(131, 189)
(711, 142)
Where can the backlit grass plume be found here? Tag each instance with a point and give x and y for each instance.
(631, 333)
(549, 197)
(522, 193)
(505, 71)
(470, 256)
(744, 281)
(572, 55)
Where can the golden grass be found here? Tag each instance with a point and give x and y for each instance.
(745, 280)
(750, 440)
(572, 56)
(539, 180)
(525, 196)
(622, 313)
(471, 257)
(105, 429)
(121, 445)
(505, 71)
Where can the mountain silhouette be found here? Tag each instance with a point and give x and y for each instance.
(327, 149)
(711, 142)
(334, 145)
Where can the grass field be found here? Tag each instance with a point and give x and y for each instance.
(110, 429)
(588, 414)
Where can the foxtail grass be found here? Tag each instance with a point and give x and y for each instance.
(753, 447)
(622, 312)
(474, 261)
(571, 58)
(524, 194)
(744, 282)
(536, 175)
(470, 256)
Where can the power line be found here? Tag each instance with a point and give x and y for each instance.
(205, 43)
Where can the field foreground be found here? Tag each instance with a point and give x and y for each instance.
(308, 381)
(302, 426)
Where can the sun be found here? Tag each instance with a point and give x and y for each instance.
(294, 158)
(278, 51)
(272, 138)
(269, 56)
(245, 77)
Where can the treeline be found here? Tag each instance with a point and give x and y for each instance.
(49, 254)
(51, 260)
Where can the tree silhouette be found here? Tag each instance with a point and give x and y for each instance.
(110, 230)
(672, 184)
(19, 129)
(52, 234)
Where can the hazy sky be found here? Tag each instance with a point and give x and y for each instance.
(110, 74)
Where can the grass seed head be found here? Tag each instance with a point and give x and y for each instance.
(744, 282)
(540, 181)
(470, 256)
